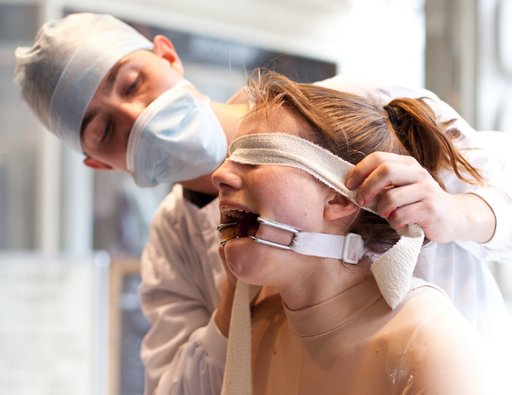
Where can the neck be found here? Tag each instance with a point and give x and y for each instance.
(324, 279)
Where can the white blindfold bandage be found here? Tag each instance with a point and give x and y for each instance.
(393, 271)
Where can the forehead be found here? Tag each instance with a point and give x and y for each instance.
(134, 59)
(275, 119)
(142, 55)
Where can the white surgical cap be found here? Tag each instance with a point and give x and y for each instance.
(60, 73)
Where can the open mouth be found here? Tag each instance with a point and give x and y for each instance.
(237, 223)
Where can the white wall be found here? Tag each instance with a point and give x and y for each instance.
(384, 41)
(493, 93)
(291, 25)
(377, 39)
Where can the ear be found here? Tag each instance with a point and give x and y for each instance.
(163, 47)
(96, 164)
(338, 207)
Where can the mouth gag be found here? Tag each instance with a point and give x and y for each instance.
(349, 248)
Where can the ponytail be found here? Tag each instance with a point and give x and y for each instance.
(424, 139)
(352, 128)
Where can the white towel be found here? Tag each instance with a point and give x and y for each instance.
(393, 270)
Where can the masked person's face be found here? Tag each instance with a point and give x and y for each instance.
(130, 86)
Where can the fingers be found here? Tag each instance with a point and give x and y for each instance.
(395, 198)
(370, 163)
(416, 213)
(406, 193)
(388, 175)
(425, 192)
(404, 216)
(436, 227)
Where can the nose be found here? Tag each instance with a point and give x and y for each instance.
(227, 176)
(130, 111)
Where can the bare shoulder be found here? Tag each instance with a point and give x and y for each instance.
(437, 346)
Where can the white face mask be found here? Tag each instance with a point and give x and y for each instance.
(176, 138)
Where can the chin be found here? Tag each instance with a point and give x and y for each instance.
(246, 261)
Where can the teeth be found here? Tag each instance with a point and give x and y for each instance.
(236, 223)
(224, 226)
(235, 213)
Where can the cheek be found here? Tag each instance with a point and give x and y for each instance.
(251, 262)
(244, 258)
(162, 78)
(293, 202)
(123, 146)
(116, 157)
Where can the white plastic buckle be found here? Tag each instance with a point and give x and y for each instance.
(353, 248)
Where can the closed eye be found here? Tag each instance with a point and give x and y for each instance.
(134, 86)
(107, 130)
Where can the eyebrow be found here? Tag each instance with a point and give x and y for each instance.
(112, 74)
(87, 119)
(109, 84)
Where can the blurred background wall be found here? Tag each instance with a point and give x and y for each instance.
(52, 206)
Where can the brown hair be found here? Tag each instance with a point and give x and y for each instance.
(351, 127)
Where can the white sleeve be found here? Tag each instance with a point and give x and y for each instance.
(183, 352)
(490, 152)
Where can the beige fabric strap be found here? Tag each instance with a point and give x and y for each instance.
(237, 373)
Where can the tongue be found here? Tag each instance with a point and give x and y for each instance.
(246, 227)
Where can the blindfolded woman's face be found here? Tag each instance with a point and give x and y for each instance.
(280, 193)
